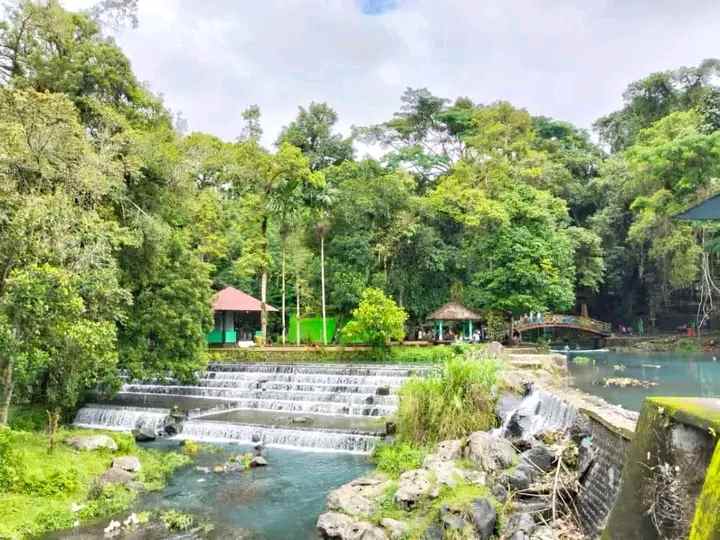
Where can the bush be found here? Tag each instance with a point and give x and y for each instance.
(436, 354)
(177, 521)
(395, 459)
(28, 418)
(377, 320)
(10, 464)
(57, 482)
(449, 404)
(111, 499)
(159, 468)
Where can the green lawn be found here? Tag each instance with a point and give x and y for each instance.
(43, 491)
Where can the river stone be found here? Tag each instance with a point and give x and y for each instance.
(337, 526)
(359, 497)
(396, 529)
(520, 525)
(258, 461)
(484, 518)
(452, 518)
(383, 391)
(516, 480)
(543, 533)
(92, 442)
(144, 434)
(414, 485)
(490, 453)
(446, 472)
(449, 450)
(115, 476)
(127, 463)
(433, 532)
(540, 456)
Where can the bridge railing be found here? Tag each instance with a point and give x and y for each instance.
(553, 319)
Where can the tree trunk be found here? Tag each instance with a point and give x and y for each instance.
(297, 309)
(6, 390)
(263, 283)
(322, 287)
(283, 293)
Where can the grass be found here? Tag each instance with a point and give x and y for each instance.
(394, 459)
(459, 399)
(41, 491)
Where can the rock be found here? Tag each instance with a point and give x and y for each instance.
(530, 471)
(433, 532)
(452, 518)
(446, 472)
(520, 524)
(449, 450)
(255, 438)
(516, 480)
(369, 400)
(144, 434)
(383, 391)
(92, 442)
(396, 529)
(115, 476)
(413, 485)
(479, 478)
(507, 402)
(203, 470)
(337, 526)
(258, 461)
(540, 456)
(494, 349)
(359, 497)
(218, 469)
(127, 463)
(484, 518)
(500, 493)
(519, 424)
(300, 420)
(490, 453)
(543, 533)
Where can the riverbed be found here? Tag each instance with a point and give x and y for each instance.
(674, 373)
(277, 502)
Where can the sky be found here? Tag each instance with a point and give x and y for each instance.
(566, 59)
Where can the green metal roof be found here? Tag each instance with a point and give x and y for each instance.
(706, 210)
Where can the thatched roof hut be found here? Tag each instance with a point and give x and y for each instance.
(452, 311)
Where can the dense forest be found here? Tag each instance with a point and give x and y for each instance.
(116, 227)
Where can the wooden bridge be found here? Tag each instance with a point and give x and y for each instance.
(552, 320)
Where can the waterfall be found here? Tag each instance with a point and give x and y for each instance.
(538, 411)
(119, 418)
(338, 407)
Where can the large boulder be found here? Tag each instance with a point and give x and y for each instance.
(449, 450)
(144, 434)
(130, 464)
(452, 518)
(490, 453)
(446, 473)
(395, 529)
(359, 497)
(115, 476)
(519, 526)
(413, 485)
(337, 526)
(540, 456)
(92, 442)
(484, 518)
(516, 480)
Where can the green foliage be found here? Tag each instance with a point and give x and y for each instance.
(398, 457)
(377, 320)
(581, 360)
(177, 521)
(110, 500)
(27, 418)
(449, 404)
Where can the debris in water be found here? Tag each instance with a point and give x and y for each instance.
(624, 382)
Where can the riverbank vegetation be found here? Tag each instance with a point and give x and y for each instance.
(118, 226)
(43, 490)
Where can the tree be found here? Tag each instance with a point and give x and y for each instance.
(377, 320)
(312, 133)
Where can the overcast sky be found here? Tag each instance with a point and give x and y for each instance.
(571, 60)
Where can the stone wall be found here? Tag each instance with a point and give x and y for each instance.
(602, 460)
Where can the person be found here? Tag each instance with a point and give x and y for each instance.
(420, 334)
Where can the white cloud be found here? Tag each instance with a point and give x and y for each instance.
(567, 59)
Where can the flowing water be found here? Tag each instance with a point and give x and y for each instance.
(675, 374)
(320, 407)
(279, 502)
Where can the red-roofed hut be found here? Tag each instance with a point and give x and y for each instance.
(237, 317)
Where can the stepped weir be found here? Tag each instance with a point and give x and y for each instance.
(321, 407)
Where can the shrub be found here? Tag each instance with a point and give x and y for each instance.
(449, 404)
(436, 354)
(111, 500)
(10, 464)
(177, 521)
(190, 448)
(28, 418)
(125, 442)
(377, 320)
(395, 459)
(159, 467)
(57, 482)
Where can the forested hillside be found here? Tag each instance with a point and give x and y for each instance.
(116, 228)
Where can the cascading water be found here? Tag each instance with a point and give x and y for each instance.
(537, 412)
(338, 407)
